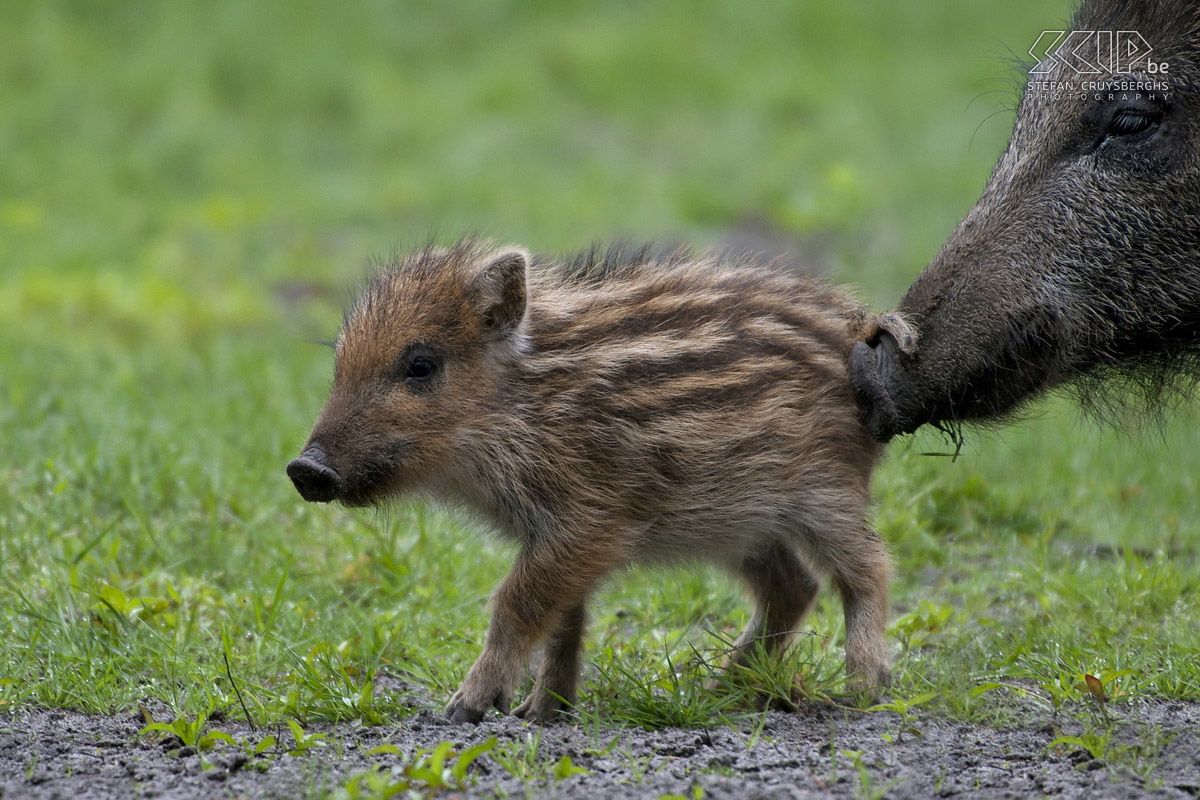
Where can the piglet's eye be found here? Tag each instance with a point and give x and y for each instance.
(418, 366)
(420, 369)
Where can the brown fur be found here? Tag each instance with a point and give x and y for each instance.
(614, 410)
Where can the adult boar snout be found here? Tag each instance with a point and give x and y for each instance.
(874, 374)
(315, 480)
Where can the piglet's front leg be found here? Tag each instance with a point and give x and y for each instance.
(554, 691)
(543, 583)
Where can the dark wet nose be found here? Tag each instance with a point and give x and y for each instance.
(873, 374)
(316, 481)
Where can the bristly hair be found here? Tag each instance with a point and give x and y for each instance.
(428, 258)
(603, 262)
(599, 263)
(1131, 395)
(592, 266)
(1164, 22)
(1144, 393)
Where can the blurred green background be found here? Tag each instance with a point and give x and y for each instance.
(187, 188)
(219, 147)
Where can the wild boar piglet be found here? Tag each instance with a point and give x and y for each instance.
(615, 408)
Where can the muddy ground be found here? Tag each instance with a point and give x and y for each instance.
(817, 753)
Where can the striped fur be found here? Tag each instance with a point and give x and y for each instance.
(620, 407)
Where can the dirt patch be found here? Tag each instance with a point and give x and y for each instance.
(817, 753)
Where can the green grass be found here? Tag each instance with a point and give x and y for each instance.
(186, 190)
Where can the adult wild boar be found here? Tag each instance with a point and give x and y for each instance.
(1081, 261)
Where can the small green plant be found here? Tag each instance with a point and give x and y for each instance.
(866, 788)
(697, 793)
(1094, 743)
(1144, 756)
(195, 735)
(260, 748)
(302, 741)
(831, 747)
(640, 767)
(904, 708)
(565, 768)
(602, 739)
(190, 733)
(519, 758)
(1067, 685)
(426, 774)
(756, 731)
(1059, 689)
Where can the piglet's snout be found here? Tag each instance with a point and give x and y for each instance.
(315, 480)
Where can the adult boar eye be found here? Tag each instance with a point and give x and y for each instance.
(1129, 123)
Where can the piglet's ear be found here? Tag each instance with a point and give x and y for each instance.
(498, 291)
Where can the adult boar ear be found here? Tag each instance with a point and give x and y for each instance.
(498, 291)
(895, 324)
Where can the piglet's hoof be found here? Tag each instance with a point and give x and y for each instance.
(542, 708)
(466, 707)
(461, 714)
